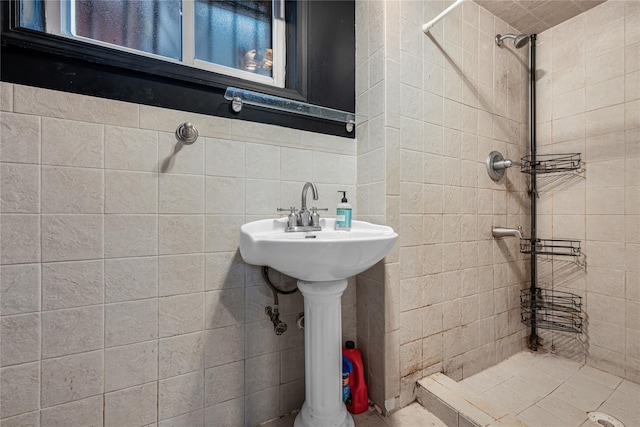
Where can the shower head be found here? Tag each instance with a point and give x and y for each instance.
(519, 40)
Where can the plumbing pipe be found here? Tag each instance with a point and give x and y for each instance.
(534, 340)
(274, 314)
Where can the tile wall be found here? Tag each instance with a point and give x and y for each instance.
(123, 297)
(589, 102)
(448, 298)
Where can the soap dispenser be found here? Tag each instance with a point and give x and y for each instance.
(343, 213)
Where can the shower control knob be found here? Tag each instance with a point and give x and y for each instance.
(496, 165)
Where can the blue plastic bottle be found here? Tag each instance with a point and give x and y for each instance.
(347, 368)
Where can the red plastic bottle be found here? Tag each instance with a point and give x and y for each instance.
(359, 401)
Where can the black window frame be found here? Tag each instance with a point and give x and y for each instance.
(320, 70)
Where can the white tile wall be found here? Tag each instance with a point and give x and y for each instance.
(69, 378)
(226, 374)
(181, 354)
(72, 237)
(74, 330)
(130, 279)
(86, 412)
(19, 239)
(181, 274)
(22, 339)
(132, 406)
(122, 291)
(180, 314)
(19, 289)
(130, 192)
(130, 235)
(20, 391)
(130, 365)
(20, 188)
(72, 284)
(194, 418)
(69, 143)
(181, 394)
(595, 207)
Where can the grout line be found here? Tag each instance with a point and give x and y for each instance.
(41, 258)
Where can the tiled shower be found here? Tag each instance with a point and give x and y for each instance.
(437, 105)
(124, 301)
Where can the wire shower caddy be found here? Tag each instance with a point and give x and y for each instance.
(560, 247)
(551, 163)
(554, 310)
(543, 308)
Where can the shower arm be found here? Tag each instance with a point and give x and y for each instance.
(500, 37)
(519, 40)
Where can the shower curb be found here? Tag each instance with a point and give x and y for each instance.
(456, 406)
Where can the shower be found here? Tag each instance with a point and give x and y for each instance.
(520, 40)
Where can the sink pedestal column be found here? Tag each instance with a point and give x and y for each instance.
(323, 406)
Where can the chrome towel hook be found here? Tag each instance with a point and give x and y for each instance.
(187, 133)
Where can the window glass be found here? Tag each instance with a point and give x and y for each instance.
(146, 25)
(32, 15)
(235, 34)
(233, 37)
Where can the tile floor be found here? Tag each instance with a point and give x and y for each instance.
(537, 389)
(412, 415)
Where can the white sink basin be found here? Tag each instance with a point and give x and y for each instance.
(317, 256)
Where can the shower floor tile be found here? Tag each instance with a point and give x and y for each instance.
(539, 389)
(567, 413)
(587, 397)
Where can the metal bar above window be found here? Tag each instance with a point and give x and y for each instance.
(239, 97)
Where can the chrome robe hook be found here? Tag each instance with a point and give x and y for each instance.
(187, 133)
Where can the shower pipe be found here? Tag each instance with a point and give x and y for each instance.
(426, 27)
(533, 338)
(519, 41)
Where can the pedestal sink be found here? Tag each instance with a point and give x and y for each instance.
(321, 261)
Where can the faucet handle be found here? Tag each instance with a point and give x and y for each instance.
(315, 216)
(292, 217)
(292, 209)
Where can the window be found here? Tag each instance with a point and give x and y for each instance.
(147, 52)
(244, 39)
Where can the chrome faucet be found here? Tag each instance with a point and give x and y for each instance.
(305, 215)
(305, 189)
(304, 220)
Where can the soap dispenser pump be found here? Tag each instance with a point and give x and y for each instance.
(343, 213)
